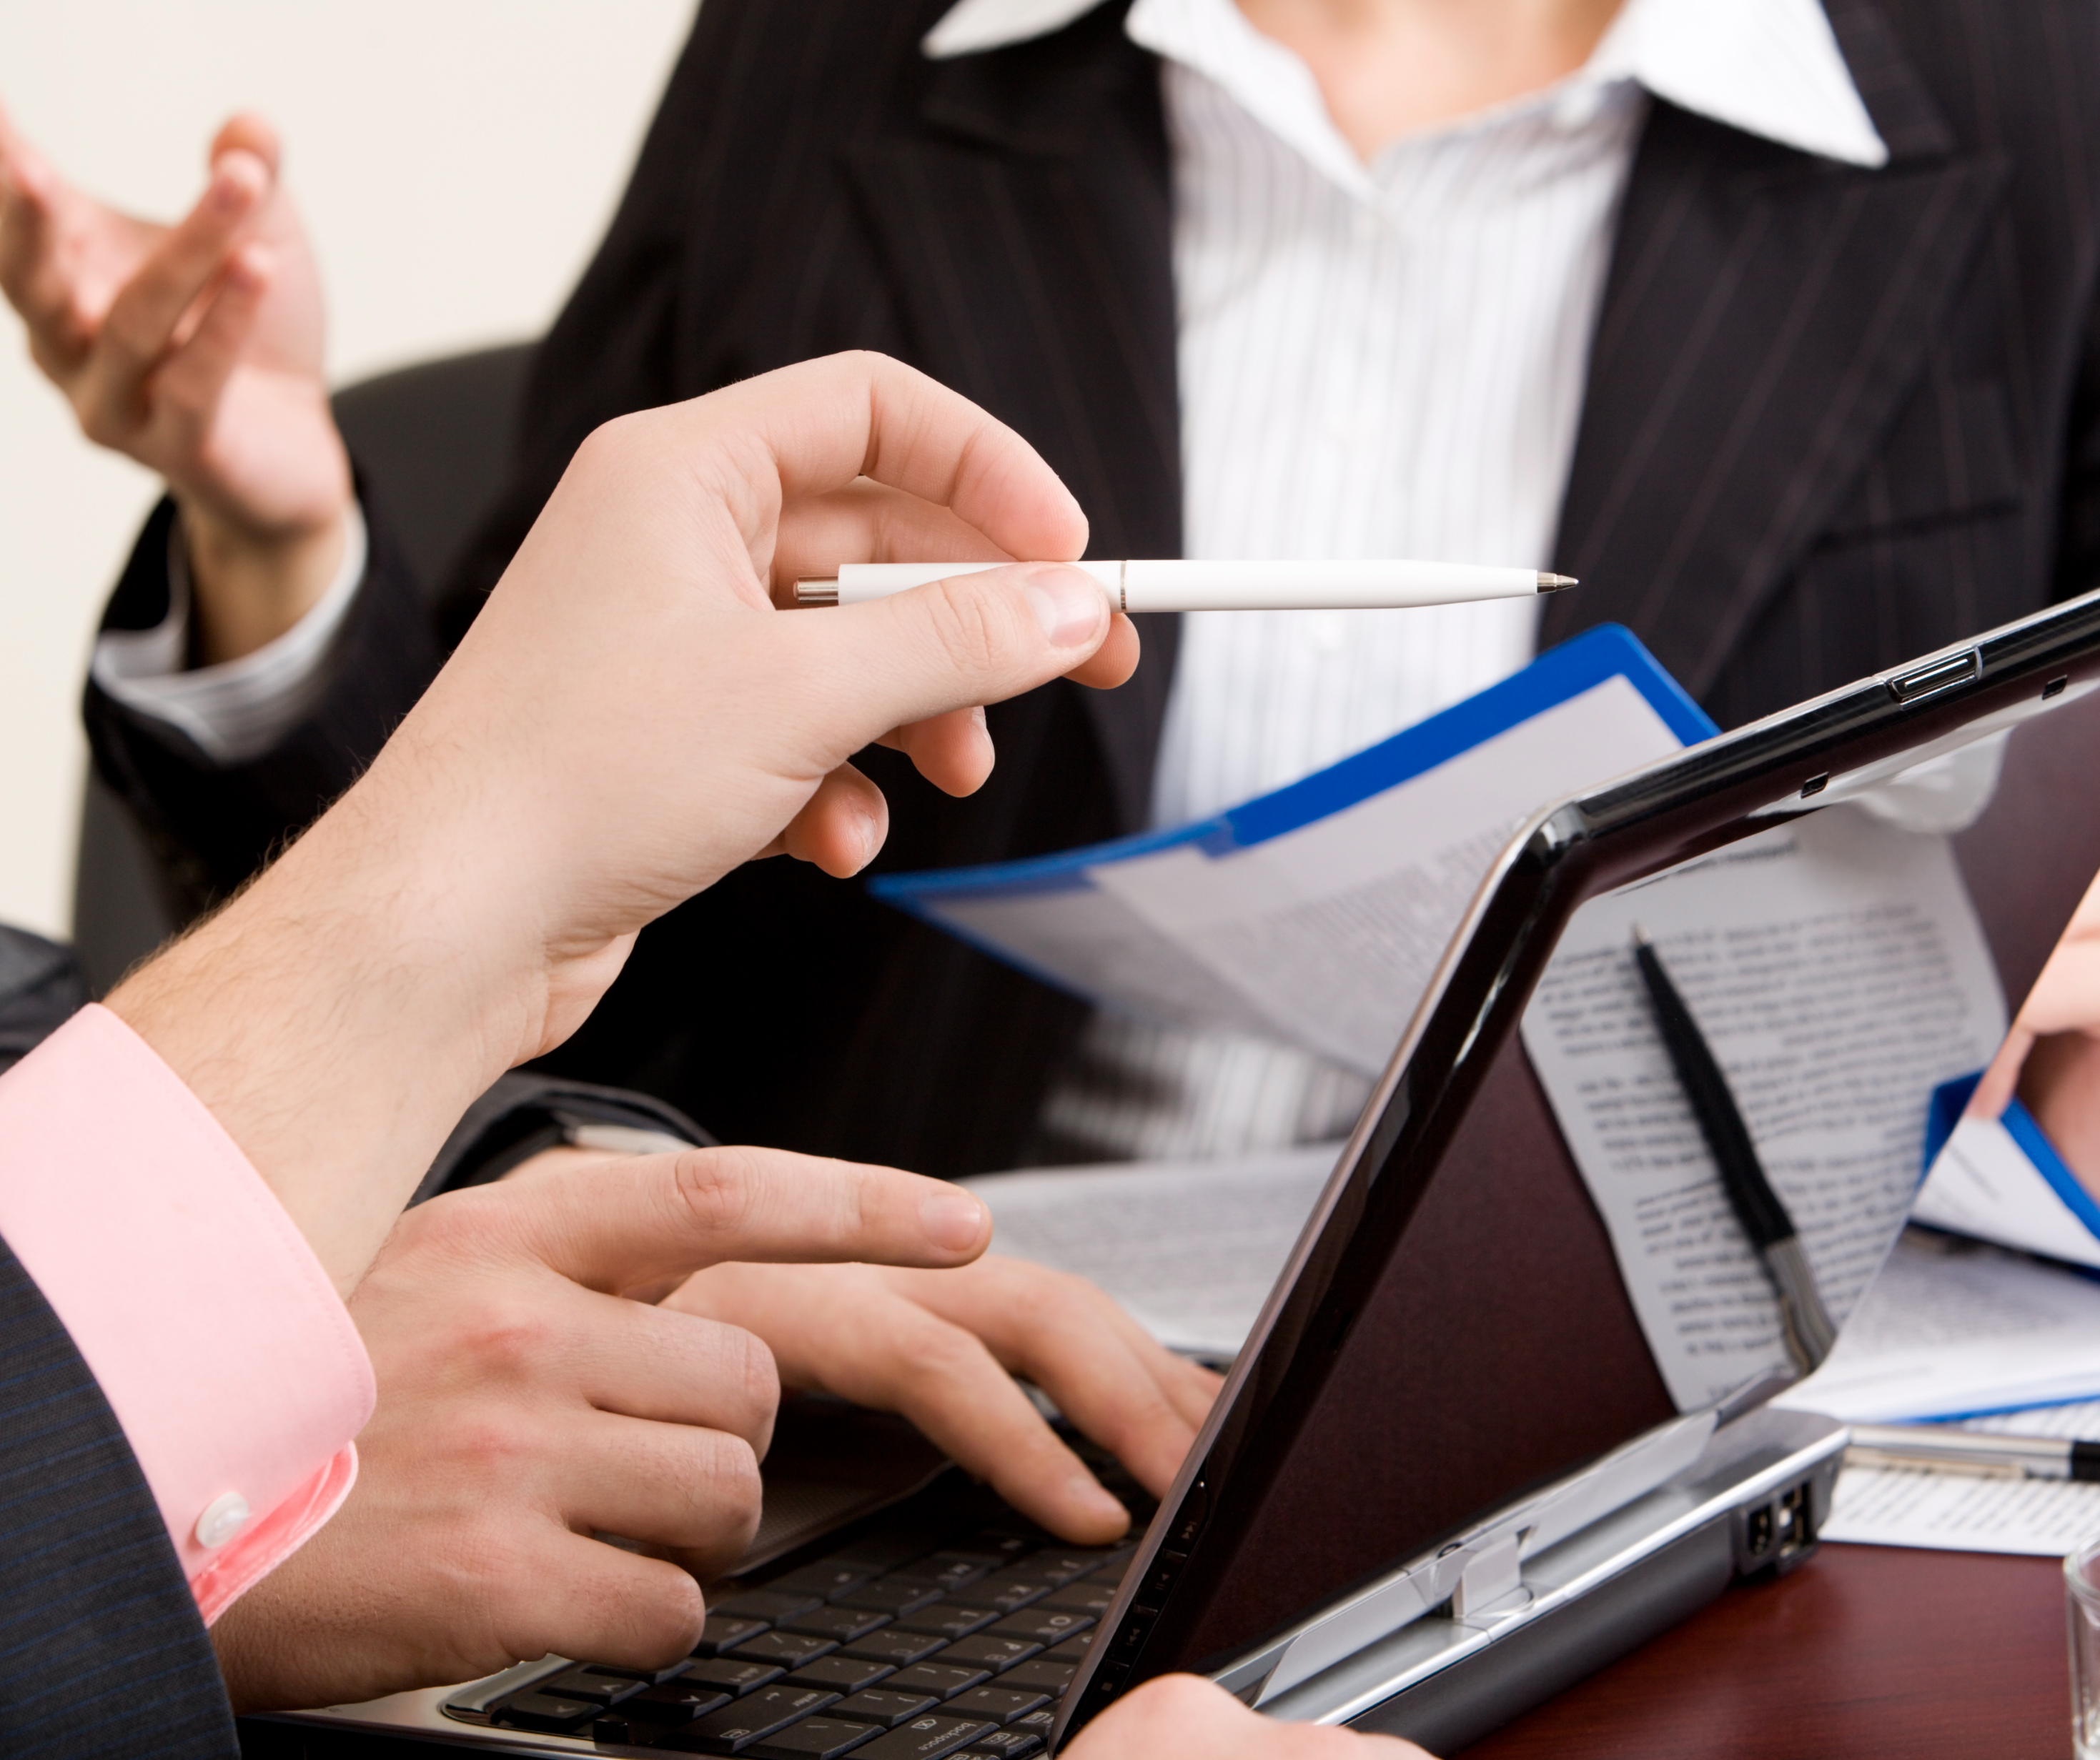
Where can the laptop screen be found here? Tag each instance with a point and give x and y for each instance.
(1526, 1258)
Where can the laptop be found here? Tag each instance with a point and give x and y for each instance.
(1460, 1461)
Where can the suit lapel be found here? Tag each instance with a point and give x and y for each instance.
(1023, 211)
(1765, 315)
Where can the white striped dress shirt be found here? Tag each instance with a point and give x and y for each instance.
(1377, 359)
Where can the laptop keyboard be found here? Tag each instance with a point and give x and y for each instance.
(946, 1629)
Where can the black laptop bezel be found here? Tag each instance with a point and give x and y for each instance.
(1671, 812)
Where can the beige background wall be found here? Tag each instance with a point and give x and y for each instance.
(456, 161)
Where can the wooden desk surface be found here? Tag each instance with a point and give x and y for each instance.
(1864, 1651)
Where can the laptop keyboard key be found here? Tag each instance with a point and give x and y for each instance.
(1081, 1598)
(1073, 1649)
(897, 1647)
(750, 1720)
(1010, 1591)
(1005, 1743)
(949, 1571)
(923, 1738)
(996, 1705)
(944, 1680)
(730, 1675)
(724, 1632)
(827, 1578)
(892, 1596)
(789, 1649)
(841, 1625)
(678, 1702)
(840, 1674)
(1045, 1626)
(886, 1708)
(586, 1684)
(947, 1621)
(816, 1738)
(544, 1711)
(992, 1652)
(1043, 1675)
(765, 1605)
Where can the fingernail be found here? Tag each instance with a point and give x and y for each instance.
(1066, 603)
(1088, 1490)
(870, 838)
(953, 1220)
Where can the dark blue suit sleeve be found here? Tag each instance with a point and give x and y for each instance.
(102, 1651)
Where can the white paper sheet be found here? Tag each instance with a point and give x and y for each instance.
(1190, 1249)
(1316, 915)
(1331, 933)
(1950, 1328)
(1961, 1512)
(1836, 968)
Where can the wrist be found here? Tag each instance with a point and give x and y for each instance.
(337, 1018)
(249, 586)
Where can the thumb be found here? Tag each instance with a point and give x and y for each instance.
(973, 640)
(618, 1224)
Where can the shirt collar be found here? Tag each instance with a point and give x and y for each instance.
(1770, 67)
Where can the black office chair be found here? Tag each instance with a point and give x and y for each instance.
(432, 441)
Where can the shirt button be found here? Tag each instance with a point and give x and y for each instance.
(224, 1517)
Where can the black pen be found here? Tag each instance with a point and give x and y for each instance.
(1938, 1448)
(1809, 1332)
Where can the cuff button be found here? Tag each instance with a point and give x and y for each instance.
(223, 1518)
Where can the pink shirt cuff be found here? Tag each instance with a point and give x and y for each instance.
(214, 1330)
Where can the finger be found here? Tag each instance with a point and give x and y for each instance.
(902, 1358)
(974, 639)
(595, 1601)
(953, 752)
(841, 828)
(1114, 661)
(1180, 1714)
(645, 1217)
(29, 271)
(693, 1492)
(247, 132)
(188, 385)
(1994, 1092)
(142, 321)
(645, 1363)
(868, 521)
(828, 422)
(1104, 1373)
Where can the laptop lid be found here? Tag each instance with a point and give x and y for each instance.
(1459, 1328)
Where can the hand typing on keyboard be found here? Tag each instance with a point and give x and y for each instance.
(526, 1406)
(942, 1346)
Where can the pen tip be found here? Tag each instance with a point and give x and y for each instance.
(1639, 940)
(1557, 582)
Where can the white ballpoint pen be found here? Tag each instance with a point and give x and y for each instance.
(1223, 585)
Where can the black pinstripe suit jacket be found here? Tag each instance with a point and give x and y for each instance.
(1833, 418)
